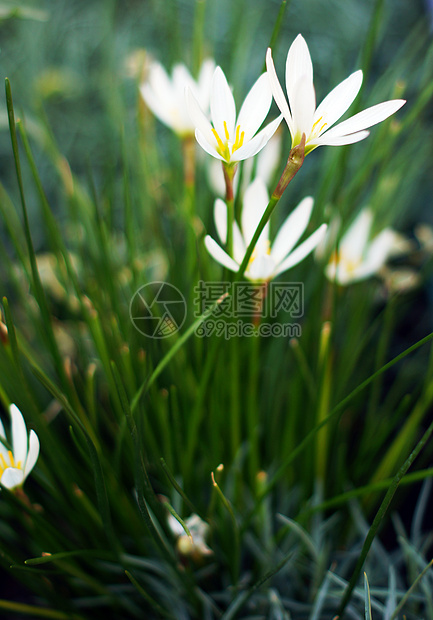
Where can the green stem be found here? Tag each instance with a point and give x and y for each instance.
(229, 173)
(294, 163)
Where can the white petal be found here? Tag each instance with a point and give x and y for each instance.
(303, 105)
(338, 101)
(277, 91)
(19, 435)
(352, 245)
(251, 148)
(292, 230)
(198, 117)
(255, 107)
(159, 94)
(160, 83)
(158, 107)
(12, 477)
(272, 127)
(215, 176)
(269, 158)
(204, 83)
(239, 248)
(367, 118)
(303, 250)
(298, 64)
(258, 142)
(222, 105)
(33, 454)
(256, 199)
(262, 268)
(378, 252)
(326, 140)
(209, 148)
(182, 79)
(220, 217)
(219, 255)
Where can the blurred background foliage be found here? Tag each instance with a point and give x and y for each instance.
(70, 59)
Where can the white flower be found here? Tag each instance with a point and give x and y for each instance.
(266, 262)
(228, 138)
(358, 257)
(16, 464)
(264, 165)
(196, 545)
(165, 96)
(302, 115)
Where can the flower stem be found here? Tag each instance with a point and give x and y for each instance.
(229, 172)
(294, 163)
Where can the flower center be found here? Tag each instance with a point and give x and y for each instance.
(347, 264)
(4, 464)
(226, 148)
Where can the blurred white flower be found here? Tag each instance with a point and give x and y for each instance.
(266, 262)
(16, 464)
(400, 280)
(228, 138)
(165, 96)
(357, 257)
(301, 114)
(195, 545)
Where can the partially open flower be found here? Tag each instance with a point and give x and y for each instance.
(266, 261)
(301, 114)
(16, 464)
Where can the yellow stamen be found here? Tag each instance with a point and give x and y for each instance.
(315, 125)
(3, 464)
(223, 149)
(239, 140)
(218, 139)
(11, 458)
(226, 131)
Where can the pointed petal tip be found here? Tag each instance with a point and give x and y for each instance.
(13, 410)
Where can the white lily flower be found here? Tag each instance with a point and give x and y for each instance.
(165, 96)
(230, 138)
(266, 262)
(358, 257)
(16, 464)
(301, 113)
